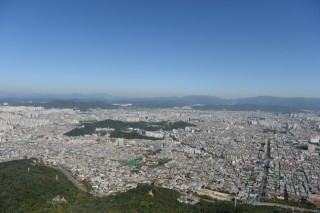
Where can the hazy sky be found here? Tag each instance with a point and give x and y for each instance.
(140, 48)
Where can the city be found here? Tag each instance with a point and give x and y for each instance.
(159, 106)
(246, 156)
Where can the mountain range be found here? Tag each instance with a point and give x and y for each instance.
(102, 100)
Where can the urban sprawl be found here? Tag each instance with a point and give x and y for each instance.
(249, 156)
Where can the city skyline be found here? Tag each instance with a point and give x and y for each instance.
(228, 49)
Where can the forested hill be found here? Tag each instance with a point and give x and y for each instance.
(29, 187)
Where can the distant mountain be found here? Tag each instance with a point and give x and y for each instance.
(175, 101)
(80, 104)
(249, 107)
(201, 99)
(263, 103)
(301, 103)
(56, 96)
(102, 100)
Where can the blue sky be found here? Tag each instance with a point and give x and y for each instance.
(143, 48)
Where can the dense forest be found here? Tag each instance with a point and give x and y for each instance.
(29, 187)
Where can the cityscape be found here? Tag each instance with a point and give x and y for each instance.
(244, 156)
(159, 106)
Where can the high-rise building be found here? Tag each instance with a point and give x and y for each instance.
(314, 145)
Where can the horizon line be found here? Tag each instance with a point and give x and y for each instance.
(17, 94)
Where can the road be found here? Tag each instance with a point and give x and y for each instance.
(273, 205)
(262, 193)
(70, 177)
(283, 206)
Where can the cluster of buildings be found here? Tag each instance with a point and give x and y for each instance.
(252, 156)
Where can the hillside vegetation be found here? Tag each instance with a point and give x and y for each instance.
(29, 187)
(121, 128)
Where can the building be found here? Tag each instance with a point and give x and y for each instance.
(120, 142)
(314, 145)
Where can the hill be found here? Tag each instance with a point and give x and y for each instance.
(122, 126)
(29, 187)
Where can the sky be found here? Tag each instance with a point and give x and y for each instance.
(147, 48)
